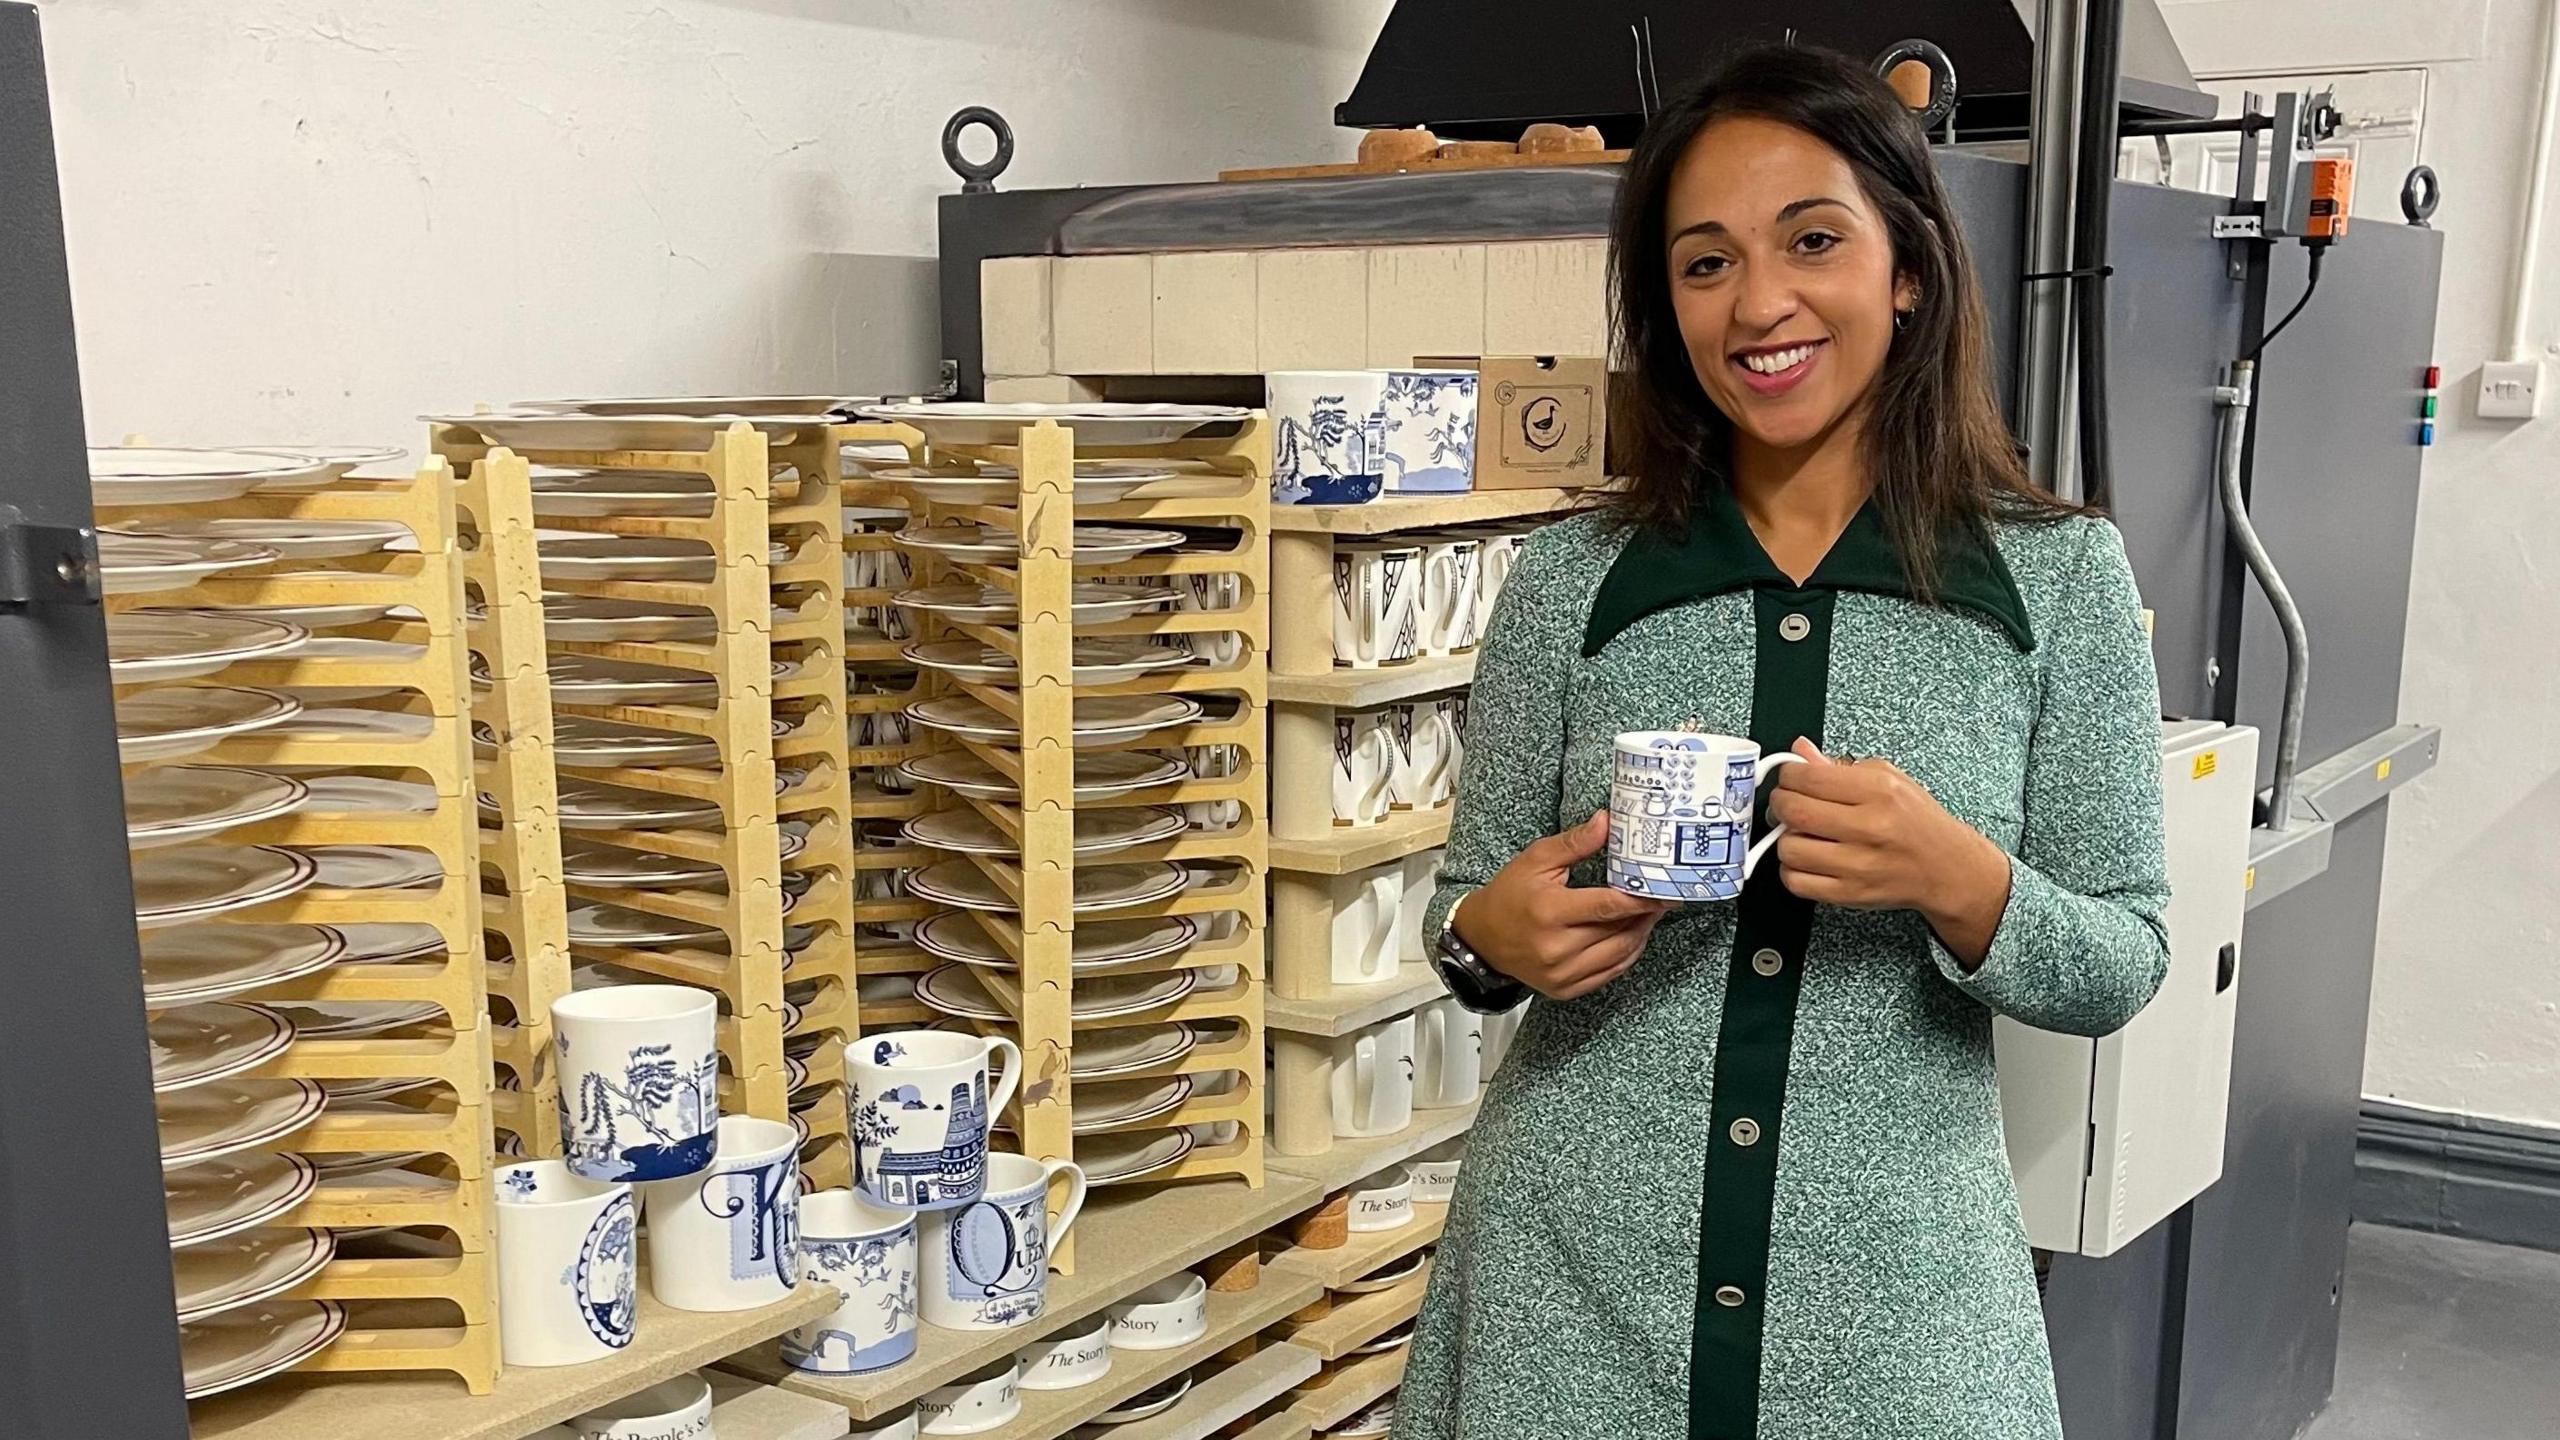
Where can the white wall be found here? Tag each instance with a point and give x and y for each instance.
(2466, 1010)
(297, 219)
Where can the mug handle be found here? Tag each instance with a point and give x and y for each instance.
(1364, 1079)
(1067, 1213)
(1761, 846)
(1000, 1090)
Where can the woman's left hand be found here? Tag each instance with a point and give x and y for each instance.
(1865, 835)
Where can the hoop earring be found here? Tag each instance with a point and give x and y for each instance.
(1901, 321)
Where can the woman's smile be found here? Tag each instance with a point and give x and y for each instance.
(1773, 370)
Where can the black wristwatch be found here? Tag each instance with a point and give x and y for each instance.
(1472, 983)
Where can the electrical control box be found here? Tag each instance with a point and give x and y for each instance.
(2108, 1137)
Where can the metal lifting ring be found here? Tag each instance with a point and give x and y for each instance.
(1942, 77)
(2419, 194)
(976, 177)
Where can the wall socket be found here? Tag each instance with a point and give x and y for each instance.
(2510, 389)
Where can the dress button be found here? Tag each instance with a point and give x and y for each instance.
(1768, 962)
(1745, 1131)
(1729, 1296)
(1794, 627)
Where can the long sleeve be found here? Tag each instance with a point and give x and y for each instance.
(2081, 947)
(1511, 773)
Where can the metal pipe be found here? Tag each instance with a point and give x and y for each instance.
(2235, 399)
(2537, 187)
(2044, 348)
(2233, 125)
(2093, 196)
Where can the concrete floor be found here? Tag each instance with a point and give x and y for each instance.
(2445, 1339)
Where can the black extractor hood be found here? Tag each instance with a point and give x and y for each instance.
(1483, 69)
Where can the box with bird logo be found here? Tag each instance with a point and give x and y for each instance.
(1542, 421)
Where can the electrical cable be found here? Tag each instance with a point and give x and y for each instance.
(2310, 284)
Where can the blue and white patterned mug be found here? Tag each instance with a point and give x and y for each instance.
(729, 1239)
(868, 1253)
(639, 1073)
(923, 1101)
(568, 1265)
(1329, 441)
(986, 1264)
(1680, 814)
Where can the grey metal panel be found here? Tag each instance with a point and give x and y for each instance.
(1990, 198)
(2105, 1321)
(88, 1338)
(1530, 203)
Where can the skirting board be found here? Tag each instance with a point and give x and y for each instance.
(2458, 1175)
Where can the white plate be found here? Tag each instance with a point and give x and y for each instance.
(701, 406)
(526, 431)
(1097, 832)
(1096, 422)
(293, 539)
(1386, 1277)
(356, 1019)
(1395, 1339)
(225, 1197)
(1101, 1054)
(1098, 482)
(1100, 775)
(368, 1167)
(580, 742)
(160, 645)
(586, 863)
(1097, 720)
(369, 795)
(1147, 1402)
(1097, 887)
(675, 493)
(347, 722)
(223, 1275)
(1110, 1104)
(244, 1346)
(1122, 1158)
(1090, 662)
(207, 1122)
(954, 990)
(598, 617)
(388, 942)
(1093, 544)
(590, 680)
(614, 925)
(336, 461)
(197, 1044)
(183, 719)
(585, 805)
(195, 963)
(1089, 603)
(1098, 945)
(162, 475)
(141, 564)
(192, 882)
(177, 803)
(318, 617)
(366, 649)
(632, 557)
(374, 867)
(1379, 1419)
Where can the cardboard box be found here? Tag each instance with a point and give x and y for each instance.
(1542, 421)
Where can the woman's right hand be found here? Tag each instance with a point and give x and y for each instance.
(1561, 940)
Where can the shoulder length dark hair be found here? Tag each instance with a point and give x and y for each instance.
(1944, 458)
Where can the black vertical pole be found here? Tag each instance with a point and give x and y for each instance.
(88, 1335)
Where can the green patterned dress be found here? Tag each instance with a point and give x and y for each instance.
(1756, 1187)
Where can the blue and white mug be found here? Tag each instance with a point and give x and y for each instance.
(639, 1080)
(986, 1264)
(1680, 813)
(729, 1239)
(868, 1253)
(1329, 441)
(1431, 431)
(568, 1265)
(922, 1104)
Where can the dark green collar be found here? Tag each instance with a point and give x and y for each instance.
(1655, 572)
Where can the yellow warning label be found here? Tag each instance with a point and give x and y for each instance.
(2250, 880)
(2382, 771)
(2207, 763)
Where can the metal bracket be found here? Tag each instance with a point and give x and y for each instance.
(46, 564)
(2239, 227)
(2326, 795)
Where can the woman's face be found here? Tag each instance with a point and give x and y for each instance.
(1782, 277)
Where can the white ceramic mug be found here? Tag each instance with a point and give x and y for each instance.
(1431, 431)
(639, 1080)
(1218, 590)
(1214, 762)
(678, 1409)
(1373, 1080)
(1680, 813)
(568, 1265)
(922, 1103)
(1376, 595)
(1382, 1202)
(901, 1426)
(1364, 764)
(1448, 1055)
(975, 1402)
(1499, 1031)
(1495, 554)
(1329, 435)
(986, 1264)
(1434, 1172)
(728, 1239)
(1449, 569)
(1425, 761)
(1419, 876)
(1167, 1315)
(1368, 907)
(868, 1253)
(1069, 1360)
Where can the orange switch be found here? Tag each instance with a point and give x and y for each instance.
(2333, 189)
